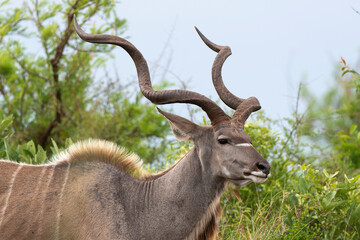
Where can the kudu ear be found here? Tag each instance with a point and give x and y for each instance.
(183, 129)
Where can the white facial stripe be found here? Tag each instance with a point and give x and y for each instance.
(225, 171)
(243, 145)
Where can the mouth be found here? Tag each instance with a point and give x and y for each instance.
(254, 176)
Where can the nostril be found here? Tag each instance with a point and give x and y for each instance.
(264, 167)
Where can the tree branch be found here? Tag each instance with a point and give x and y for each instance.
(4, 93)
(59, 113)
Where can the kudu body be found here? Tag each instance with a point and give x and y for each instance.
(94, 190)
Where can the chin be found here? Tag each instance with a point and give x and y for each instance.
(240, 183)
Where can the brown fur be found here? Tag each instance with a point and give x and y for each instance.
(108, 152)
(98, 151)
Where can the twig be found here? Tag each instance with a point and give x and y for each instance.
(298, 120)
(23, 67)
(156, 63)
(355, 10)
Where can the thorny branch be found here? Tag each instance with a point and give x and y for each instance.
(298, 121)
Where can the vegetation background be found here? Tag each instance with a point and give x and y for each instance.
(66, 93)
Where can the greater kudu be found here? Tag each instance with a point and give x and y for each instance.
(94, 190)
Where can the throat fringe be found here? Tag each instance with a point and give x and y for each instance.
(207, 227)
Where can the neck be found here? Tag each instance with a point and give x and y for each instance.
(185, 201)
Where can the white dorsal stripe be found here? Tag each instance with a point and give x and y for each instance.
(243, 145)
(44, 193)
(11, 183)
(59, 203)
(34, 203)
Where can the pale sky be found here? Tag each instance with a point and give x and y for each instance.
(275, 44)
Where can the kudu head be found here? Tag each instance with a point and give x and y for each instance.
(223, 148)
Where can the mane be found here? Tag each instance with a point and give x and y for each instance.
(108, 152)
(103, 151)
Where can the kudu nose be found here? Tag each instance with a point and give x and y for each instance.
(264, 167)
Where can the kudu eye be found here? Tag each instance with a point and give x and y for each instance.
(223, 141)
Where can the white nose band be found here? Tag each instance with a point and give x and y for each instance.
(243, 145)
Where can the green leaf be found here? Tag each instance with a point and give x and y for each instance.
(355, 179)
(303, 185)
(4, 2)
(7, 148)
(334, 175)
(346, 178)
(329, 197)
(48, 31)
(5, 123)
(68, 142)
(352, 129)
(30, 146)
(355, 215)
(28, 153)
(54, 148)
(41, 156)
(349, 71)
(333, 205)
(6, 64)
(326, 173)
(293, 200)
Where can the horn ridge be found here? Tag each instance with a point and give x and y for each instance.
(243, 107)
(244, 110)
(224, 52)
